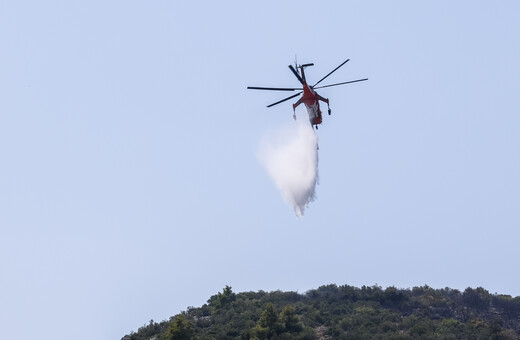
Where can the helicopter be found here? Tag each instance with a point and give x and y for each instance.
(310, 97)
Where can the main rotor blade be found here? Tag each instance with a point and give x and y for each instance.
(274, 88)
(296, 74)
(347, 82)
(281, 101)
(331, 72)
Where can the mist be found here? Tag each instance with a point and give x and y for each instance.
(290, 157)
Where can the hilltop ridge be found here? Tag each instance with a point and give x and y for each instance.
(344, 312)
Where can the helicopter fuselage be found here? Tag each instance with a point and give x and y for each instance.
(311, 99)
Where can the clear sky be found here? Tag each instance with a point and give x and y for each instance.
(130, 186)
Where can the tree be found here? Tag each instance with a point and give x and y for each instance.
(268, 324)
(227, 296)
(180, 329)
(289, 320)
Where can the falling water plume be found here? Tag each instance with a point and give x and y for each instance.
(290, 156)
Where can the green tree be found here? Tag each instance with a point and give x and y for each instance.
(450, 329)
(269, 317)
(180, 328)
(268, 324)
(223, 299)
(289, 320)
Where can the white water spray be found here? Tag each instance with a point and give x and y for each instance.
(290, 156)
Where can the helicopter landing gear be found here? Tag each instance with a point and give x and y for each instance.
(329, 108)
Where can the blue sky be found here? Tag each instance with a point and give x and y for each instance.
(130, 187)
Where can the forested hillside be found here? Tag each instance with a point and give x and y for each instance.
(345, 312)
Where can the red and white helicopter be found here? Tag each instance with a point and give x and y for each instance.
(310, 97)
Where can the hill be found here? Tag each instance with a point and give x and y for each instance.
(344, 312)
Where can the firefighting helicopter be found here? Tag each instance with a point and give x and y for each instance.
(310, 97)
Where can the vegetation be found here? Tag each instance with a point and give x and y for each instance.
(345, 312)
